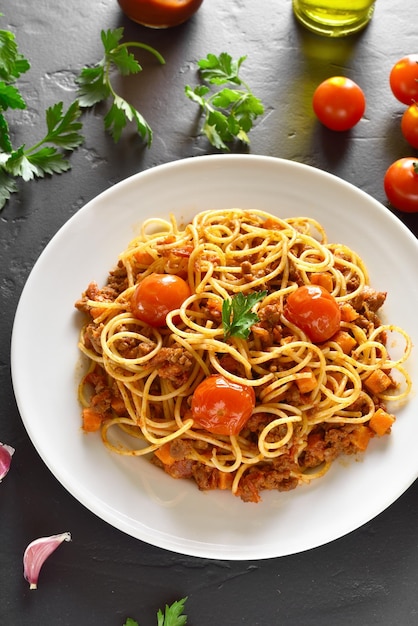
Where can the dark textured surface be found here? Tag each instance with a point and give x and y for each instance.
(368, 577)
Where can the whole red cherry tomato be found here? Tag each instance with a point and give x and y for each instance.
(409, 125)
(401, 184)
(339, 103)
(403, 79)
(315, 311)
(222, 406)
(157, 295)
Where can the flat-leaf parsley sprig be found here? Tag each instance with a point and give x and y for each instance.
(95, 84)
(237, 314)
(172, 616)
(47, 156)
(229, 113)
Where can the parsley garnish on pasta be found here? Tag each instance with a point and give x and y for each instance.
(237, 316)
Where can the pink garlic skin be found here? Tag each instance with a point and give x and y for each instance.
(6, 453)
(36, 554)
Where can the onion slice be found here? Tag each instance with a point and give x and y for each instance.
(6, 453)
(36, 554)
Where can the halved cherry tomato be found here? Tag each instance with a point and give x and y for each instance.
(401, 184)
(222, 406)
(157, 295)
(403, 79)
(315, 311)
(409, 125)
(339, 103)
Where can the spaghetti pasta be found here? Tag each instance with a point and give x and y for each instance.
(313, 400)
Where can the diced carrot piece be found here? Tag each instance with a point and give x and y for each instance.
(378, 381)
(348, 312)
(308, 384)
(118, 406)
(323, 279)
(225, 480)
(214, 306)
(314, 439)
(361, 437)
(169, 239)
(164, 454)
(381, 422)
(143, 257)
(92, 420)
(345, 341)
(272, 224)
(95, 311)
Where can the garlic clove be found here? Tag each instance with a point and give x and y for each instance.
(6, 453)
(36, 554)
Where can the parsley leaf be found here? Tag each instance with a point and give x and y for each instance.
(229, 113)
(7, 187)
(237, 317)
(62, 131)
(63, 128)
(12, 63)
(220, 70)
(172, 616)
(5, 143)
(10, 97)
(95, 84)
(47, 156)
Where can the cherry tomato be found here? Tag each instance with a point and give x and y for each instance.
(401, 184)
(403, 79)
(222, 406)
(339, 103)
(315, 311)
(409, 125)
(157, 295)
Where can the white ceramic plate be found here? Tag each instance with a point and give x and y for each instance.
(133, 495)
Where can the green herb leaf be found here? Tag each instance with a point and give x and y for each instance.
(125, 61)
(173, 615)
(229, 113)
(7, 187)
(18, 165)
(237, 317)
(5, 143)
(63, 128)
(46, 160)
(111, 38)
(10, 97)
(94, 84)
(220, 70)
(12, 63)
(41, 159)
(119, 114)
(93, 87)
